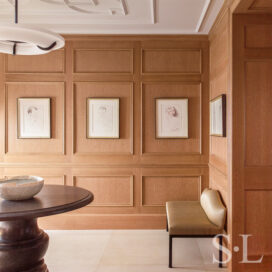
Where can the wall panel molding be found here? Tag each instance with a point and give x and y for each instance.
(261, 5)
(170, 147)
(122, 146)
(259, 108)
(102, 187)
(111, 66)
(53, 146)
(171, 61)
(182, 188)
(53, 62)
(258, 36)
(110, 61)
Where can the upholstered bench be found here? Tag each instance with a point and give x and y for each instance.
(204, 218)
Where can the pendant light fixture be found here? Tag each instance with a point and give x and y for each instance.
(21, 39)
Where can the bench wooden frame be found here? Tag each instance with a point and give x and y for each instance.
(194, 236)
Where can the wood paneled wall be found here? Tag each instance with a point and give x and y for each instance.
(252, 140)
(133, 176)
(220, 62)
(240, 164)
(253, 6)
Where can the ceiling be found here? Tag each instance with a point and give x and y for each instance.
(116, 16)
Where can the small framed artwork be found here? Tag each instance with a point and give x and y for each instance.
(33, 118)
(218, 116)
(172, 118)
(103, 118)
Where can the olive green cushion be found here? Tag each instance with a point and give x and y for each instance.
(189, 218)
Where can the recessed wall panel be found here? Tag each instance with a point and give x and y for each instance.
(123, 91)
(258, 221)
(258, 101)
(157, 190)
(48, 63)
(108, 190)
(258, 36)
(151, 145)
(171, 61)
(53, 90)
(103, 61)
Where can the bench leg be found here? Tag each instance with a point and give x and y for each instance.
(170, 251)
(220, 251)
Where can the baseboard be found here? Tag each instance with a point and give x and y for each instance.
(103, 221)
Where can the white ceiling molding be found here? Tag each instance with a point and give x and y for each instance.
(203, 15)
(117, 16)
(91, 7)
(153, 11)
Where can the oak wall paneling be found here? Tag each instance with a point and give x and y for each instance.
(52, 63)
(103, 61)
(110, 191)
(261, 5)
(56, 92)
(83, 91)
(171, 61)
(151, 145)
(156, 187)
(252, 6)
(220, 171)
(252, 154)
(127, 175)
(220, 56)
(156, 190)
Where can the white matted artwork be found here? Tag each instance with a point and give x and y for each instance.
(33, 118)
(103, 118)
(218, 116)
(172, 118)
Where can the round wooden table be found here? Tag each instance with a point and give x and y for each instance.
(22, 244)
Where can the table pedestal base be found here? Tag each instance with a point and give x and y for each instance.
(22, 246)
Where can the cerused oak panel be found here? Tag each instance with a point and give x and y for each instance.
(252, 156)
(135, 69)
(157, 190)
(171, 61)
(261, 5)
(109, 190)
(49, 63)
(103, 61)
(56, 92)
(220, 83)
(151, 91)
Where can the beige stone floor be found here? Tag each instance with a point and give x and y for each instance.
(126, 251)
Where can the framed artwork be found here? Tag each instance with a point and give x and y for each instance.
(218, 116)
(33, 118)
(172, 118)
(103, 118)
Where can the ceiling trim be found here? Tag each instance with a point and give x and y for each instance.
(203, 15)
(153, 11)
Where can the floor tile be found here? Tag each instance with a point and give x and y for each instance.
(186, 252)
(75, 250)
(136, 247)
(127, 251)
(142, 268)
